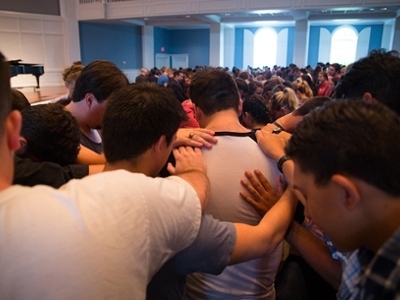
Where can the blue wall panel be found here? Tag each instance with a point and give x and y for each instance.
(313, 46)
(195, 42)
(121, 44)
(162, 38)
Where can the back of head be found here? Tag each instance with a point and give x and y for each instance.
(377, 74)
(286, 98)
(72, 73)
(136, 117)
(52, 134)
(5, 92)
(214, 90)
(99, 78)
(353, 147)
(242, 86)
(302, 87)
(19, 101)
(255, 105)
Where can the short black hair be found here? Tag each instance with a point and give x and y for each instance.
(377, 74)
(214, 90)
(351, 138)
(255, 105)
(52, 133)
(19, 100)
(136, 117)
(100, 78)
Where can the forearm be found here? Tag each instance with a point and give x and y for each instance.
(198, 179)
(89, 157)
(316, 253)
(257, 241)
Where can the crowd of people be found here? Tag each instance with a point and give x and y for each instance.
(204, 183)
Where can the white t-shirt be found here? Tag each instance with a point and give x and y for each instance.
(101, 237)
(226, 162)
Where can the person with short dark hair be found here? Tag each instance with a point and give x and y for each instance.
(175, 85)
(74, 242)
(216, 100)
(350, 190)
(374, 78)
(49, 133)
(94, 85)
(19, 100)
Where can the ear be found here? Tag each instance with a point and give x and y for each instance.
(352, 196)
(23, 146)
(13, 129)
(367, 97)
(197, 112)
(240, 106)
(89, 100)
(160, 145)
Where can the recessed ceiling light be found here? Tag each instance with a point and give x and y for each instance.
(187, 17)
(384, 8)
(371, 9)
(324, 11)
(227, 15)
(145, 19)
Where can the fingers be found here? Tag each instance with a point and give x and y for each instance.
(263, 180)
(195, 137)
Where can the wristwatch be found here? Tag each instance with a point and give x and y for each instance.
(277, 130)
(281, 161)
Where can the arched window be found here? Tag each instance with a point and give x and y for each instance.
(265, 47)
(344, 45)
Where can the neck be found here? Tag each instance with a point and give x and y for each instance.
(382, 216)
(226, 120)
(77, 109)
(141, 164)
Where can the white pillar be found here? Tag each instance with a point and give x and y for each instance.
(148, 47)
(301, 36)
(68, 13)
(229, 47)
(216, 46)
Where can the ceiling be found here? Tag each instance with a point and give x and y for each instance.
(359, 15)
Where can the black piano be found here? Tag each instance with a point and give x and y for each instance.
(17, 67)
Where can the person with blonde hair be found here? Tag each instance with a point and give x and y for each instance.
(70, 75)
(282, 103)
(302, 90)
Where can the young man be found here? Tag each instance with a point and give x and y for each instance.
(217, 106)
(92, 88)
(49, 133)
(217, 243)
(100, 237)
(351, 189)
(374, 78)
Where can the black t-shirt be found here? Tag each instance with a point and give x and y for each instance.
(30, 173)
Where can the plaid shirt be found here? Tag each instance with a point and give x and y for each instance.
(381, 276)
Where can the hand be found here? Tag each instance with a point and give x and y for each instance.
(271, 144)
(264, 195)
(283, 134)
(195, 137)
(187, 159)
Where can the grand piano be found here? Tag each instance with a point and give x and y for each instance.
(17, 67)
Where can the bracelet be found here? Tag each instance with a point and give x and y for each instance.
(281, 161)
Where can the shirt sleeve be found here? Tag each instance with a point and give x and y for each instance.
(174, 217)
(211, 250)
